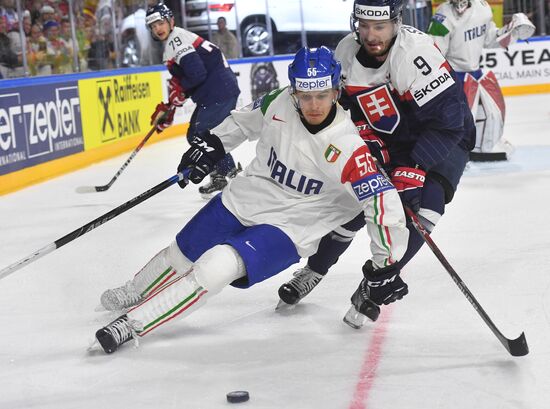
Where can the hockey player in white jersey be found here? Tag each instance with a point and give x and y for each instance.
(411, 111)
(311, 173)
(462, 29)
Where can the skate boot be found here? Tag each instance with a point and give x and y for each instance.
(216, 184)
(121, 298)
(362, 307)
(117, 333)
(305, 280)
(235, 171)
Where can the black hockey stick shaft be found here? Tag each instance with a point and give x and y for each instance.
(103, 188)
(516, 347)
(92, 225)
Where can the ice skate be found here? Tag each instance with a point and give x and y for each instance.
(117, 333)
(217, 184)
(121, 298)
(235, 171)
(304, 280)
(362, 307)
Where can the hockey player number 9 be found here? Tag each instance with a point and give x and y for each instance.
(422, 65)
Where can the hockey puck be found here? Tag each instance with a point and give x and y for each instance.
(237, 396)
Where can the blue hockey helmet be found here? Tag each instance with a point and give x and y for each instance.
(314, 69)
(157, 12)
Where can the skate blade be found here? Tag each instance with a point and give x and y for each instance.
(354, 318)
(100, 308)
(283, 306)
(208, 196)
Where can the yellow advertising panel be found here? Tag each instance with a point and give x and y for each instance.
(114, 108)
(496, 7)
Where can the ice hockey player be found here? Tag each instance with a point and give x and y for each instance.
(312, 172)
(199, 71)
(411, 111)
(462, 29)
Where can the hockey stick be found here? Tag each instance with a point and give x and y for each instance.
(516, 347)
(93, 224)
(103, 188)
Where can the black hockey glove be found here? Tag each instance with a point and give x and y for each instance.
(384, 285)
(206, 150)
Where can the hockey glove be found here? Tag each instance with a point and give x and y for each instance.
(176, 94)
(519, 28)
(163, 117)
(384, 285)
(376, 145)
(206, 150)
(409, 183)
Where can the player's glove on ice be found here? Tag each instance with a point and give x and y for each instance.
(206, 150)
(163, 117)
(176, 94)
(409, 183)
(383, 285)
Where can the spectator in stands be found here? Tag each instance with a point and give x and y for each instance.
(8, 58)
(47, 13)
(101, 53)
(226, 40)
(9, 13)
(37, 52)
(57, 49)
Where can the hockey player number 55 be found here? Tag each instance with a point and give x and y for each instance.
(365, 164)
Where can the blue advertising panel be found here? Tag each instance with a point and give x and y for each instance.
(39, 123)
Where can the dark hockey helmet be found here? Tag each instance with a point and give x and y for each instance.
(157, 12)
(460, 5)
(314, 69)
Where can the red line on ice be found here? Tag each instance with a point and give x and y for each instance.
(372, 358)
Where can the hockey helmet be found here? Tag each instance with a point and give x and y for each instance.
(157, 12)
(460, 5)
(377, 9)
(314, 69)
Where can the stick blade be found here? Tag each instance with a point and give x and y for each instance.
(86, 189)
(518, 346)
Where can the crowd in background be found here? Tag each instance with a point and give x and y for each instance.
(45, 44)
(49, 44)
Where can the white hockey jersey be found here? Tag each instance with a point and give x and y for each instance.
(309, 184)
(414, 68)
(461, 38)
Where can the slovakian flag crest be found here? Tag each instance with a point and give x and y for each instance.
(379, 108)
(332, 153)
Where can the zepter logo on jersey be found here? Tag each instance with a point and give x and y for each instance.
(361, 171)
(380, 110)
(372, 12)
(313, 84)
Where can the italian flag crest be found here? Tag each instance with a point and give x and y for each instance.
(332, 153)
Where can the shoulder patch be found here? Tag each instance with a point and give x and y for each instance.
(437, 28)
(332, 153)
(362, 173)
(432, 86)
(268, 98)
(360, 164)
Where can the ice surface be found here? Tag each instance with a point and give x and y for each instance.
(430, 350)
